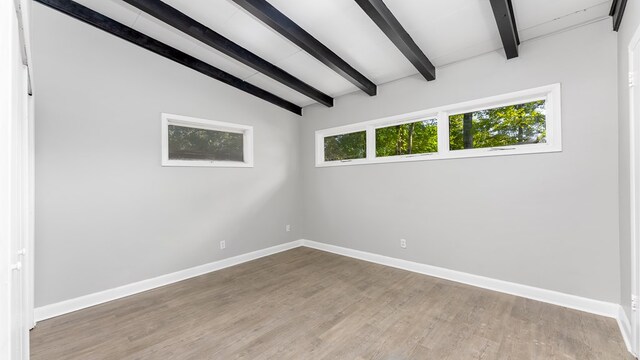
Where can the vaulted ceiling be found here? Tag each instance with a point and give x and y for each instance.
(446, 31)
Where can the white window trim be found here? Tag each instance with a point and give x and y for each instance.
(171, 119)
(549, 93)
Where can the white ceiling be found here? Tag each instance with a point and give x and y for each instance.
(446, 30)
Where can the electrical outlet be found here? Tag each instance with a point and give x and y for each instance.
(403, 243)
(223, 245)
(287, 228)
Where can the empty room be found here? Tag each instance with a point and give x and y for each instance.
(319, 179)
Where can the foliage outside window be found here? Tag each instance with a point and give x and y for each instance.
(418, 137)
(503, 126)
(345, 146)
(187, 143)
(197, 142)
(522, 122)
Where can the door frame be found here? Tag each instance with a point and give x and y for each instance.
(16, 181)
(6, 100)
(27, 161)
(634, 195)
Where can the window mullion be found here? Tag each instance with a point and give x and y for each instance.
(371, 143)
(443, 133)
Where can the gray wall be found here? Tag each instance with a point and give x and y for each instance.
(630, 23)
(107, 213)
(545, 220)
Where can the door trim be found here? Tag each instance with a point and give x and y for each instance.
(634, 194)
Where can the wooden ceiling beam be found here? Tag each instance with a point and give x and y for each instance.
(506, 21)
(390, 26)
(189, 26)
(286, 27)
(617, 12)
(124, 32)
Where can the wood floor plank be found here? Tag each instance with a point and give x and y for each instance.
(309, 304)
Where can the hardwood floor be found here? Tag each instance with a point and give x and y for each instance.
(309, 304)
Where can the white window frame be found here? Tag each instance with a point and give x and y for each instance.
(549, 93)
(186, 121)
(343, 131)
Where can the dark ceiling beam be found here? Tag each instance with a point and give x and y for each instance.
(617, 11)
(289, 29)
(124, 32)
(189, 26)
(506, 20)
(390, 26)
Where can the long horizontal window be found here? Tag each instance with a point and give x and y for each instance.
(197, 142)
(523, 122)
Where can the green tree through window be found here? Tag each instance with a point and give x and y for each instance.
(414, 138)
(187, 143)
(503, 126)
(345, 146)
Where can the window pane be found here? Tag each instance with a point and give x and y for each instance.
(187, 143)
(345, 146)
(504, 126)
(414, 138)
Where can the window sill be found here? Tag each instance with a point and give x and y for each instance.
(212, 164)
(455, 154)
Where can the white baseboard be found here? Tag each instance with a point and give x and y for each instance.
(67, 306)
(625, 329)
(597, 307)
(548, 296)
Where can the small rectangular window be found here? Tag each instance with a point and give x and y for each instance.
(511, 125)
(188, 143)
(347, 146)
(197, 142)
(419, 137)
